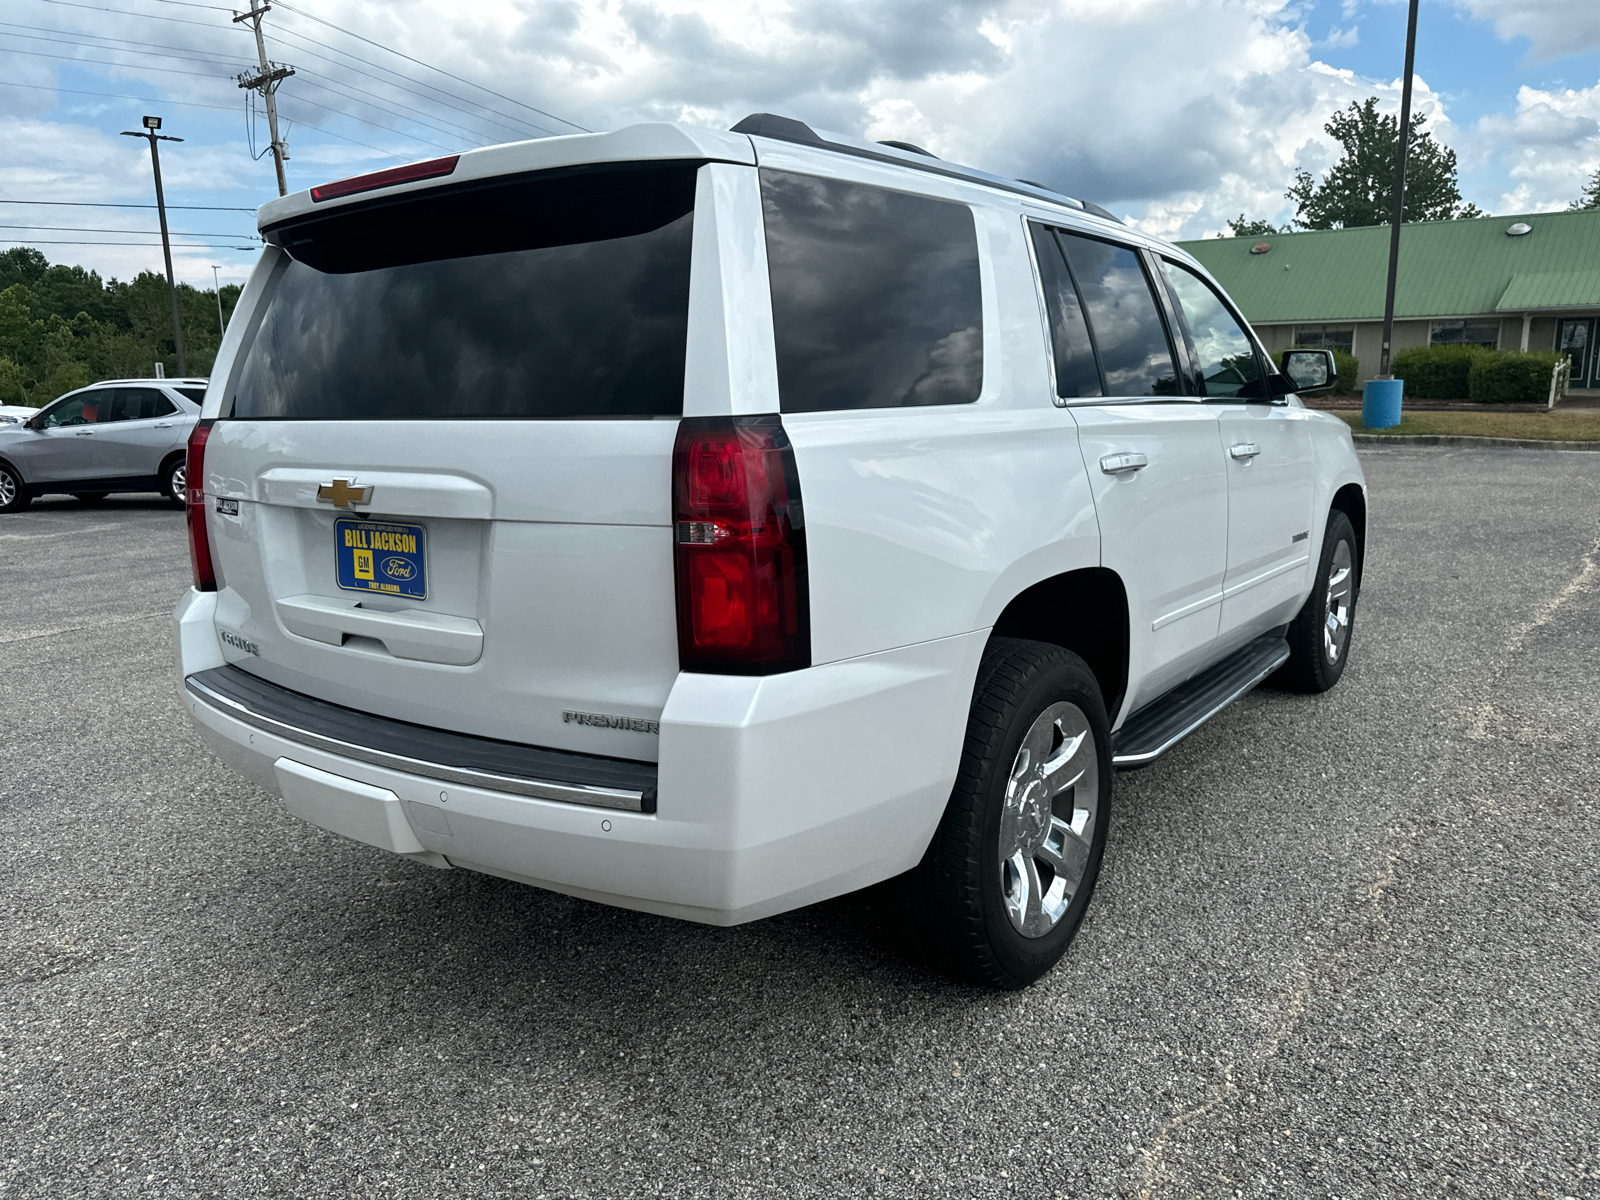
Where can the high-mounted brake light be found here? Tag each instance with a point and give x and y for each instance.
(194, 507)
(409, 173)
(743, 603)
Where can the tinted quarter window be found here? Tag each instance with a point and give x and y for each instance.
(140, 404)
(875, 295)
(1129, 333)
(198, 395)
(1224, 355)
(1076, 372)
(556, 294)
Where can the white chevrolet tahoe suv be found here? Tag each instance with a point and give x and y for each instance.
(711, 523)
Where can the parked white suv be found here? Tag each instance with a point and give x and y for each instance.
(712, 523)
(119, 435)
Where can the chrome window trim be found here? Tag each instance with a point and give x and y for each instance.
(570, 793)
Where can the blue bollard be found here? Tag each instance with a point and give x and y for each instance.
(1380, 403)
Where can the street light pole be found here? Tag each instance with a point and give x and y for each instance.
(151, 124)
(1399, 191)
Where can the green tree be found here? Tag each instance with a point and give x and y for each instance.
(1590, 197)
(1359, 188)
(1246, 228)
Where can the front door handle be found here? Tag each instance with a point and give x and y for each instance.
(83, 433)
(1244, 450)
(1123, 464)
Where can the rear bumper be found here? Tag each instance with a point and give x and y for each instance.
(771, 793)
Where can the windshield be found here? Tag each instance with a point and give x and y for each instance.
(562, 294)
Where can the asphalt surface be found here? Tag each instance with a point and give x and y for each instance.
(1344, 946)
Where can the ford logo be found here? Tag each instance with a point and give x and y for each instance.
(398, 568)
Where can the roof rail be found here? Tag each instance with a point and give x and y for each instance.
(787, 129)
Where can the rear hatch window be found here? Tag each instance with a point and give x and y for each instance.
(557, 294)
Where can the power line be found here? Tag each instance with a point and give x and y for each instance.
(142, 232)
(45, 87)
(107, 63)
(108, 204)
(179, 53)
(365, 121)
(429, 66)
(146, 245)
(39, 30)
(391, 107)
(478, 112)
(122, 12)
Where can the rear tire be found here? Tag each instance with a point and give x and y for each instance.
(1319, 637)
(14, 495)
(1005, 882)
(173, 476)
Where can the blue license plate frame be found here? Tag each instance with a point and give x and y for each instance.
(380, 558)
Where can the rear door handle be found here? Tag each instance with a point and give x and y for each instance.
(1123, 464)
(163, 424)
(83, 433)
(1244, 450)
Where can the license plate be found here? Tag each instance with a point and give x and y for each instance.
(374, 556)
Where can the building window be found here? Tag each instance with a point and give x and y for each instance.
(1465, 333)
(1326, 337)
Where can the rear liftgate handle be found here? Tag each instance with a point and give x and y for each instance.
(1244, 450)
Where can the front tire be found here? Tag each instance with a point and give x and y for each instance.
(1319, 637)
(1005, 882)
(13, 492)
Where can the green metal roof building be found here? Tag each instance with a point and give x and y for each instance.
(1514, 283)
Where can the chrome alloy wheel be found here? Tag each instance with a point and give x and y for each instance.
(1048, 822)
(8, 487)
(179, 479)
(1341, 586)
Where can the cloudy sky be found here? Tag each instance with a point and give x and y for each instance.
(1176, 114)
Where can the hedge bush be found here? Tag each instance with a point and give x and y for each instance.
(1511, 377)
(1347, 371)
(1438, 372)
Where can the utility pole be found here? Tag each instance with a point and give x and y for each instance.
(1399, 192)
(216, 286)
(151, 124)
(266, 81)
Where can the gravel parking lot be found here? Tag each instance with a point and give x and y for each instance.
(1344, 946)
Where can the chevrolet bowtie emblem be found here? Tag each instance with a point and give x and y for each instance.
(340, 494)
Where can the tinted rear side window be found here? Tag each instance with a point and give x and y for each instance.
(561, 294)
(1127, 326)
(875, 295)
(198, 395)
(1076, 372)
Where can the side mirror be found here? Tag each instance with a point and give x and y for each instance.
(1310, 370)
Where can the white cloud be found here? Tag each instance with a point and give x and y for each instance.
(1549, 147)
(1343, 39)
(1178, 113)
(1553, 27)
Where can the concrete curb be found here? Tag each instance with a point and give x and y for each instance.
(1452, 439)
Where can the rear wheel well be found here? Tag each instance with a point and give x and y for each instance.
(166, 464)
(1085, 612)
(1352, 502)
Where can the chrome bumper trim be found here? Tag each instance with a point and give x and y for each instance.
(538, 789)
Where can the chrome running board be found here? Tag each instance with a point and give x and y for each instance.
(1162, 724)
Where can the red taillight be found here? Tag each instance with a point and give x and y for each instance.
(409, 173)
(194, 506)
(743, 603)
